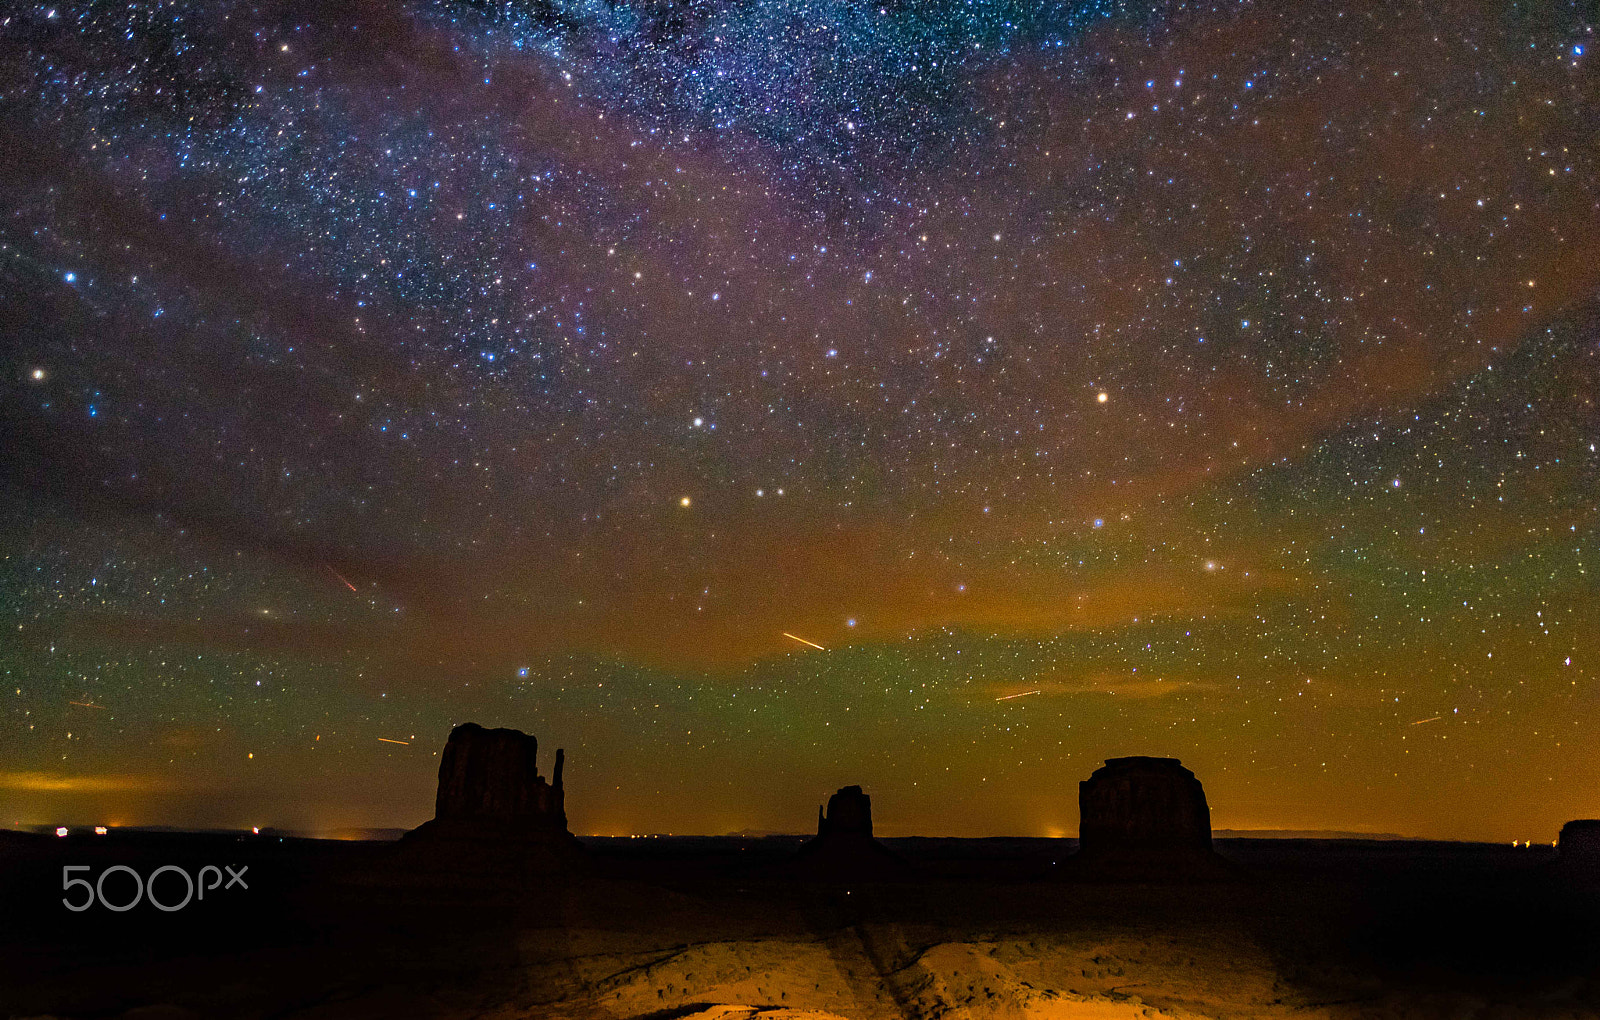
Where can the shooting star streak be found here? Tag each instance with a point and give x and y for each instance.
(1024, 694)
(796, 637)
(1419, 722)
(341, 577)
(87, 704)
(386, 740)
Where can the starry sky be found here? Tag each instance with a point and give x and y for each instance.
(759, 396)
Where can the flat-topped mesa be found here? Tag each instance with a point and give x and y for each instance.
(1143, 805)
(492, 776)
(1578, 847)
(849, 813)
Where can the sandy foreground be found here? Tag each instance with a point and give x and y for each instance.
(871, 971)
(707, 930)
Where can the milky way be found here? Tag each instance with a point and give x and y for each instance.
(1222, 378)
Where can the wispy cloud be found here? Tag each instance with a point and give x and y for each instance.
(1138, 688)
(53, 782)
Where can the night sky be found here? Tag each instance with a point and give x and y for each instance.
(1085, 379)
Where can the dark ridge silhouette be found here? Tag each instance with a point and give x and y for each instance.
(1578, 850)
(494, 775)
(849, 814)
(1142, 803)
(1144, 819)
(843, 848)
(493, 812)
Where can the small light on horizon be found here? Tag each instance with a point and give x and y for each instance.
(255, 830)
(100, 830)
(61, 830)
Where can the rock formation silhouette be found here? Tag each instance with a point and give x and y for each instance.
(1144, 818)
(493, 775)
(1142, 804)
(1578, 850)
(493, 811)
(843, 848)
(849, 814)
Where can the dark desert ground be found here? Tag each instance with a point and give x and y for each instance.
(684, 927)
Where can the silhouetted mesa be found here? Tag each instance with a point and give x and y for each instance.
(1142, 804)
(843, 848)
(493, 811)
(849, 813)
(493, 774)
(1144, 818)
(1578, 847)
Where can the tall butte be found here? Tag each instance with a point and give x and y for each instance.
(1144, 819)
(493, 810)
(492, 776)
(843, 849)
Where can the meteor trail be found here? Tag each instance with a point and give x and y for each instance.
(1419, 722)
(1024, 694)
(386, 740)
(796, 637)
(87, 704)
(340, 576)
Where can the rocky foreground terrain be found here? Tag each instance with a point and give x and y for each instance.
(724, 928)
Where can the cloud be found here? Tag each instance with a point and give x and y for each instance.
(55, 782)
(1115, 685)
